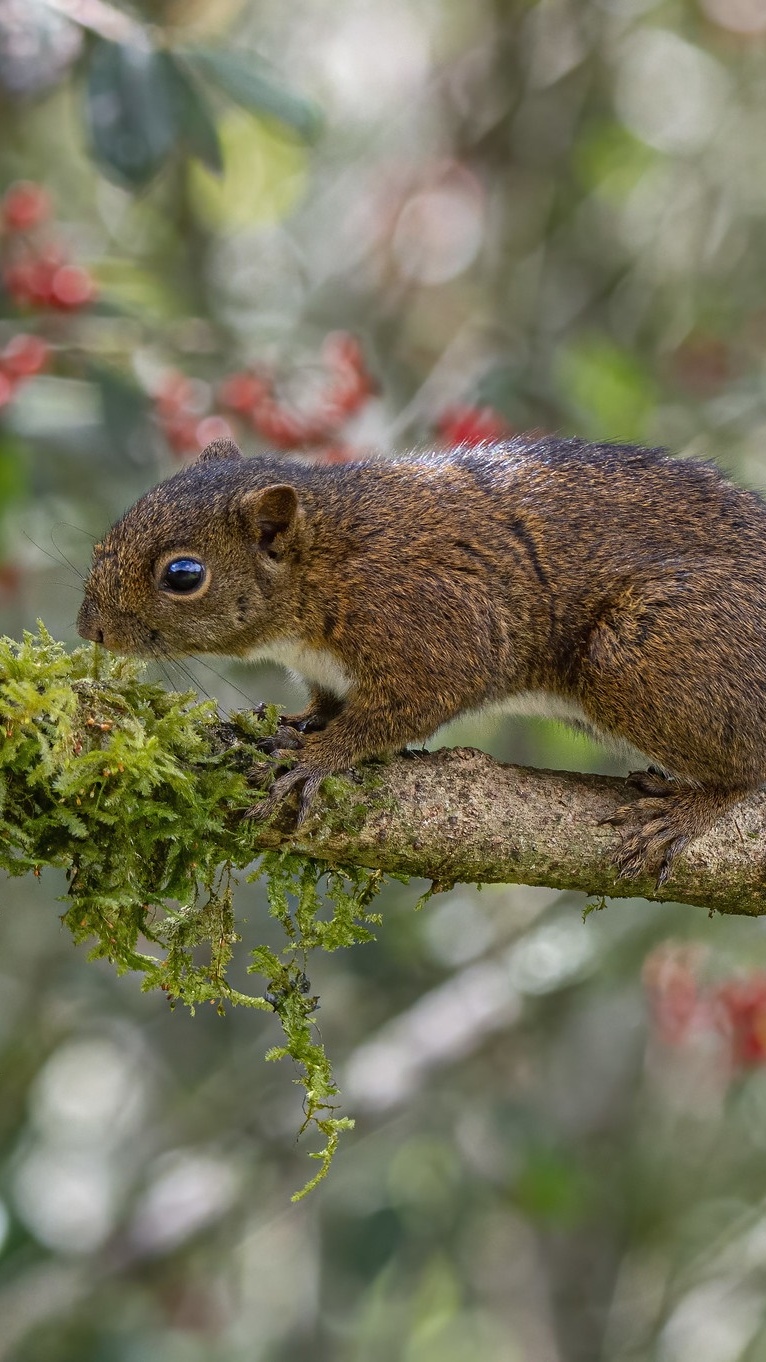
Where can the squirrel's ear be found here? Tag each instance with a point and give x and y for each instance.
(220, 449)
(271, 513)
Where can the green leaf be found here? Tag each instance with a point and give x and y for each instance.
(195, 121)
(550, 1188)
(131, 111)
(247, 80)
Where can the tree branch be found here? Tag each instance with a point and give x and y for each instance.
(457, 815)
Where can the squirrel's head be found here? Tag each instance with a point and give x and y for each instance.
(200, 564)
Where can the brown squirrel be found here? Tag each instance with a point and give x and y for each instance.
(607, 585)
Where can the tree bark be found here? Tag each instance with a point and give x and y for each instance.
(457, 815)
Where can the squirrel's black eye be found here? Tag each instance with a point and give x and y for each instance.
(183, 575)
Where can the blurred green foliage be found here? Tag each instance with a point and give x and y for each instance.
(143, 103)
(554, 208)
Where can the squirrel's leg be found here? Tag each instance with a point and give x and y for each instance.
(361, 729)
(637, 683)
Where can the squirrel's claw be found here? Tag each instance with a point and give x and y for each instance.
(313, 781)
(302, 723)
(655, 837)
(310, 777)
(657, 842)
(652, 781)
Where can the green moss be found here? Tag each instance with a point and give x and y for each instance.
(139, 793)
(598, 906)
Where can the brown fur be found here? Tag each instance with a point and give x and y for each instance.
(614, 579)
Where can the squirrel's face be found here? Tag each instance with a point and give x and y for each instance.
(199, 564)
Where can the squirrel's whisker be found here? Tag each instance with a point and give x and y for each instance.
(78, 530)
(169, 660)
(170, 680)
(225, 679)
(58, 559)
(62, 555)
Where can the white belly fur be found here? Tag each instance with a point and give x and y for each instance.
(315, 666)
(543, 704)
(540, 704)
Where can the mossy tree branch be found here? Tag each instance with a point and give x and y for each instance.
(168, 779)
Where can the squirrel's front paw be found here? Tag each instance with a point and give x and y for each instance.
(310, 777)
(284, 740)
(308, 722)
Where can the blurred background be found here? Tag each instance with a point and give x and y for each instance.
(335, 228)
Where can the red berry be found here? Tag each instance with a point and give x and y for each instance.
(30, 280)
(21, 281)
(349, 385)
(680, 1005)
(24, 355)
(466, 425)
(41, 274)
(181, 434)
(25, 205)
(71, 287)
(342, 350)
(10, 577)
(743, 1005)
(283, 426)
(242, 391)
(173, 395)
(213, 428)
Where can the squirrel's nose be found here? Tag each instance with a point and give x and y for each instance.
(88, 623)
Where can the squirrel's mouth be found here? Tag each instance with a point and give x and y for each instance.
(120, 634)
(89, 622)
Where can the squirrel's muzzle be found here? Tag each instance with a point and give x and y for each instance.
(89, 622)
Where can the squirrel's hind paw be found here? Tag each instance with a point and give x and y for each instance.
(308, 722)
(652, 781)
(656, 828)
(655, 843)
